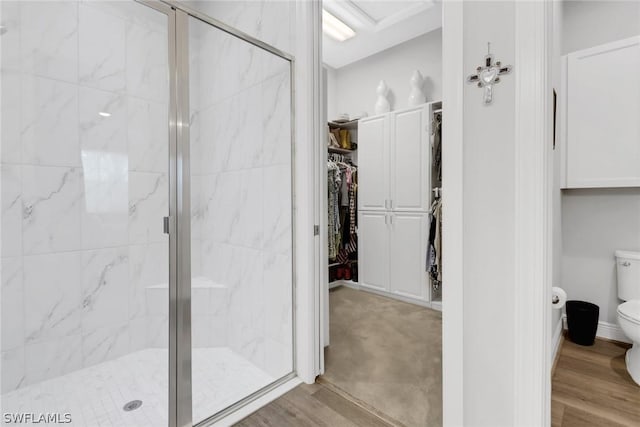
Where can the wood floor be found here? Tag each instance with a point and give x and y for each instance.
(310, 406)
(591, 387)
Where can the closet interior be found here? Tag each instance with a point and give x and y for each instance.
(384, 204)
(382, 296)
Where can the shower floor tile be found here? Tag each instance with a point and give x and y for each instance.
(95, 396)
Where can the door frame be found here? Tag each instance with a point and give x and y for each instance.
(452, 215)
(178, 223)
(533, 212)
(532, 243)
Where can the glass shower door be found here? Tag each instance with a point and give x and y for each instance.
(241, 218)
(85, 187)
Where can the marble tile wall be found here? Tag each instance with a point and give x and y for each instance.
(241, 138)
(83, 194)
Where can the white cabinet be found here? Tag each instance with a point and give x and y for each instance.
(392, 253)
(602, 116)
(407, 255)
(373, 250)
(373, 163)
(393, 160)
(409, 150)
(393, 200)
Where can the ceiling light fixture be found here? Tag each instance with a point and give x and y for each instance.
(103, 114)
(335, 28)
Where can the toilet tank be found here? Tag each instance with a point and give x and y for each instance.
(628, 268)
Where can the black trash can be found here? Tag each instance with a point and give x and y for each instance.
(582, 321)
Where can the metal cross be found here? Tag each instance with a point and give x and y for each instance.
(488, 75)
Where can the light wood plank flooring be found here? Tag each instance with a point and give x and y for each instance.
(310, 406)
(591, 387)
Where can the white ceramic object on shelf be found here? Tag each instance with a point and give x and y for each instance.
(382, 104)
(416, 96)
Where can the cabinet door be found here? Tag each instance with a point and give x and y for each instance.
(373, 164)
(407, 258)
(373, 250)
(603, 107)
(410, 153)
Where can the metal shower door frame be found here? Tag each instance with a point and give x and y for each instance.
(179, 219)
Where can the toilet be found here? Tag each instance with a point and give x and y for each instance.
(628, 268)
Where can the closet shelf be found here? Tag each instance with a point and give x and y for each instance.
(346, 125)
(340, 150)
(347, 262)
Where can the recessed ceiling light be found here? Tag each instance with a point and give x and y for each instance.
(103, 114)
(335, 28)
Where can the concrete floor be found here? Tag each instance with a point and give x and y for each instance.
(387, 355)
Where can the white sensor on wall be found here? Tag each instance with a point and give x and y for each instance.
(335, 28)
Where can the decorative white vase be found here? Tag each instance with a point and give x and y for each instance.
(382, 104)
(416, 96)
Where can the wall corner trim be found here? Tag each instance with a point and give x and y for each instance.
(557, 338)
(452, 169)
(533, 216)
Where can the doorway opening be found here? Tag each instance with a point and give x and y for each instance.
(596, 239)
(381, 322)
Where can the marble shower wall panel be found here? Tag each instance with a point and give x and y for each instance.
(241, 149)
(84, 160)
(271, 21)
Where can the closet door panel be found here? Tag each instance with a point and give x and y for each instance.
(603, 130)
(410, 160)
(407, 258)
(373, 165)
(373, 250)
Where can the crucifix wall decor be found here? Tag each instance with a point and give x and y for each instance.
(488, 75)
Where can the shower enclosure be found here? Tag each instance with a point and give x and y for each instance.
(147, 237)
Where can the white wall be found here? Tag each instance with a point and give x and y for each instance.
(595, 222)
(489, 208)
(331, 92)
(355, 85)
(590, 23)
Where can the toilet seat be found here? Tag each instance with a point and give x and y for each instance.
(630, 311)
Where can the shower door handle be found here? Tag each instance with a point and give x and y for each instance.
(167, 224)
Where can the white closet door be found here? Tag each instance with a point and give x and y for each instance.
(408, 251)
(409, 146)
(603, 111)
(373, 250)
(373, 164)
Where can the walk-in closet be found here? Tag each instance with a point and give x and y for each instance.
(384, 225)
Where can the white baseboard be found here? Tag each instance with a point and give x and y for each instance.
(606, 330)
(557, 336)
(435, 305)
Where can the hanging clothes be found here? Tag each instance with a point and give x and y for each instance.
(333, 186)
(437, 147)
(350, 237)
(342, 188)
(434, 248)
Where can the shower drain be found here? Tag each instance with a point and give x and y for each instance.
(132, 406)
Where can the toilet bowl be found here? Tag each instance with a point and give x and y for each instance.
(629, 321)
(628, 273)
